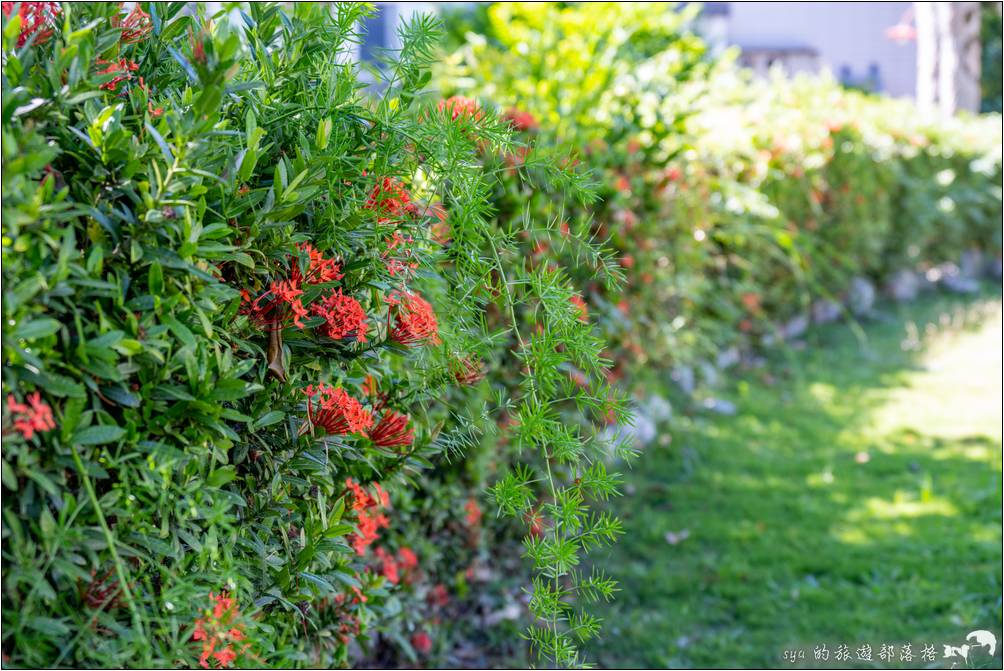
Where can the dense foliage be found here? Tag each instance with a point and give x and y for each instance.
(243, 299)
(734, 203)
(293, 350)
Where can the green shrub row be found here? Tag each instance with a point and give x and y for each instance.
(248, 300)
(734, 204)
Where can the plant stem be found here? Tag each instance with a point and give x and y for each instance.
(110, 539)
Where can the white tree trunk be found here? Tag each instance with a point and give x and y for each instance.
(948, 55)
(927, 56)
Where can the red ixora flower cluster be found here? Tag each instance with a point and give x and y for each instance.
(335, 411)
(390, 200)
(34, 416)
(135, 26)
(343, 316)
(414, 321)
(218, 632)
(461, 106)
(520, 120)
(37, 20)
(283, 297)
(370, 520)
(122, 69)
(392, 567)
(392, 430)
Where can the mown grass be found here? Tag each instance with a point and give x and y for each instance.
(855, 497)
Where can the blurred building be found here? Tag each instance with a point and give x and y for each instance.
(866, 44)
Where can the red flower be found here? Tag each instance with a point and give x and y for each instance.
(751, 301)
(393, 430)
(37, 20)
(319, 269)
(154, 112)
(415, 321)
(343, 316)
(199, 51)
(225, 656)
(370, 521)
(467, 370)
(535, 522)
(390, 200)
(577, 301)
(283, 296)
(223, 604)
(35, 416)
(516, 158)
(421, 642)
(522, 121)
(460, 106)
(673, 174)
(336, 412)
(389, 566)
(125, 68)
(438, 596)
(407, 559)
(627, 261)
(217, 628)
(135, 26)
(472, 513)
(403, 264)
(440, 228)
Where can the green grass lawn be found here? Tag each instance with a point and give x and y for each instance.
(854, 498)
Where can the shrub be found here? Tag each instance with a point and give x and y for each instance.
(242, 297)
(733, 204)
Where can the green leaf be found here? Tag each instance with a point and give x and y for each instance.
(181, 331)
(221, 476)
(98, 435)
(36, 328)
(164, 148)
(323, 133)
(47, 625)
(268, 419)
(155, 279)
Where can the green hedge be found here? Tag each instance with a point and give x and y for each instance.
(245, 299)
(733, 203)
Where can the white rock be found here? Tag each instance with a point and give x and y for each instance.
(995, 268)
(903, 286)
(728, 358)
(972, 264)
(719, 406)
(683, 376)
(657, 408)
(825, 311)
(795, 327)
(861, 296)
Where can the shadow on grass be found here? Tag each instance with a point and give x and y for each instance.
(811, 517)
